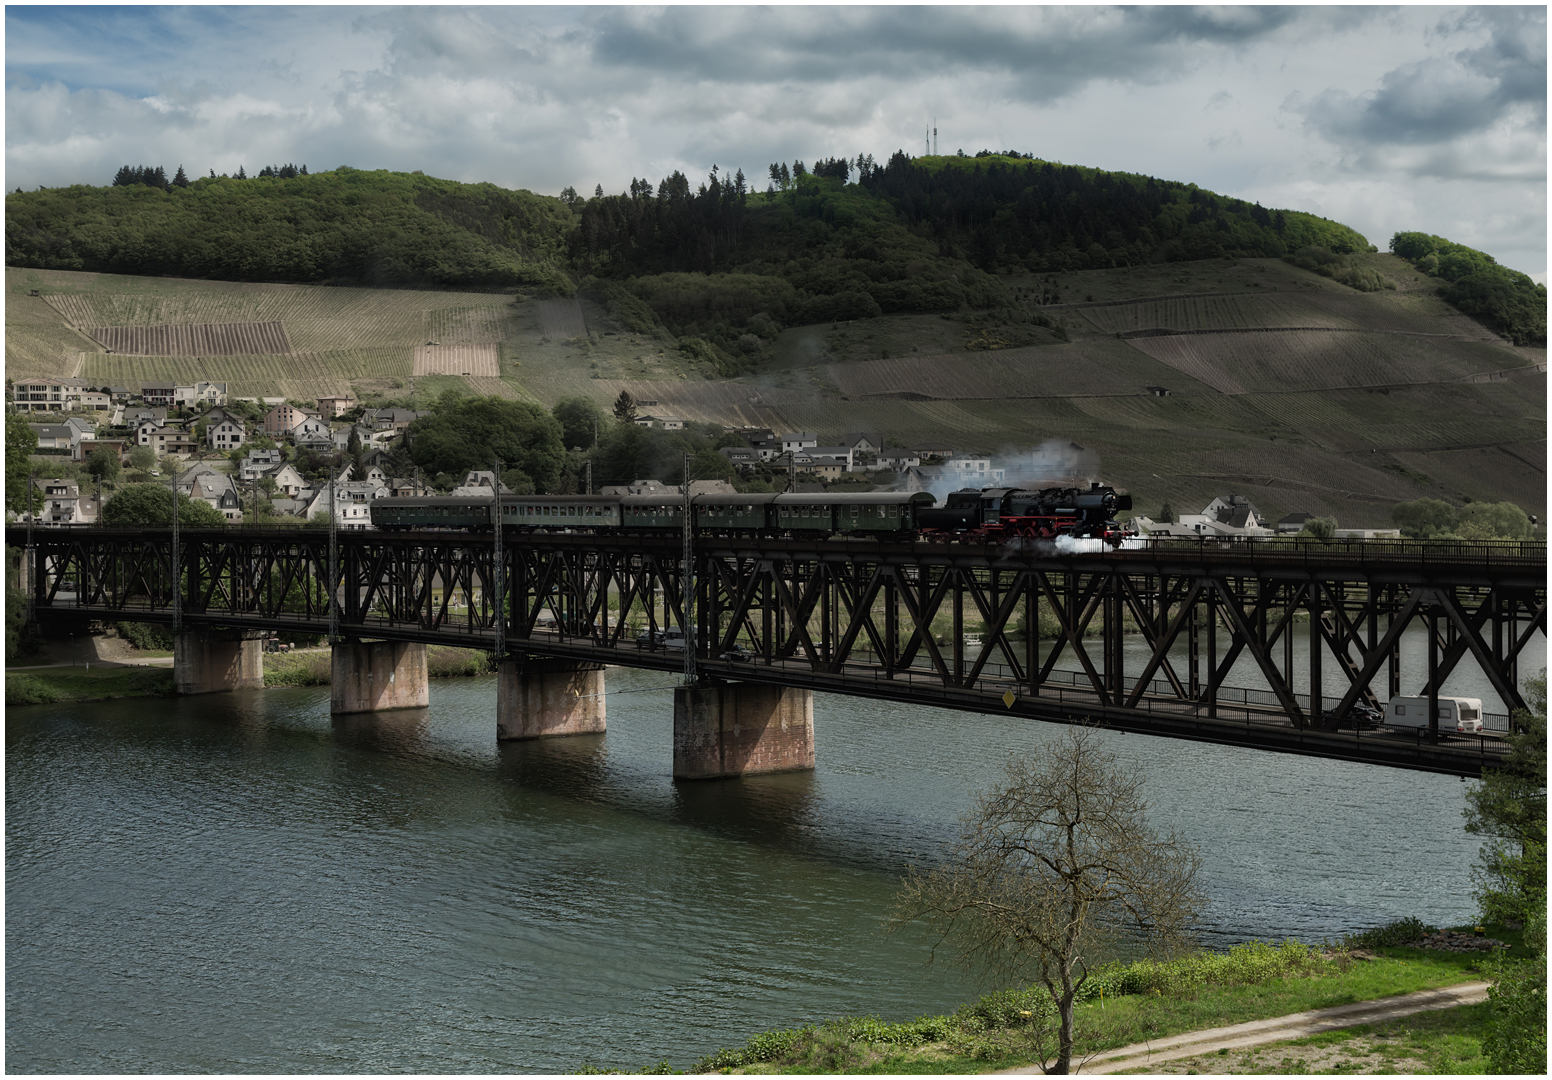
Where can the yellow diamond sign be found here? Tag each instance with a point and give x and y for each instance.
(1008, 698)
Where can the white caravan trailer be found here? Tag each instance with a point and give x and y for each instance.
(1460, 714)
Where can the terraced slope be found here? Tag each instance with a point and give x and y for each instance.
(1185, 380)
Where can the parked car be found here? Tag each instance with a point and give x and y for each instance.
(672, 638)
(738, 652)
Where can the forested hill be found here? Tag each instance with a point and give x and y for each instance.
(1002, 214)
(371, 228)
(845, 239)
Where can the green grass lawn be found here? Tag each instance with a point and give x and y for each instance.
(978, 1038)
(48, 686)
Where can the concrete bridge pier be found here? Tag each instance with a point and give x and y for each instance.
(206, 661)
(541, 697)
(739, 729)
(374, 676)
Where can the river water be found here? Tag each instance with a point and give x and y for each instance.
(239, 883)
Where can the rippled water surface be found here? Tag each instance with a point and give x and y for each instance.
(240, 883)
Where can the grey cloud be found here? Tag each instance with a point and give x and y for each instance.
(1051, 51)
(1439, 100)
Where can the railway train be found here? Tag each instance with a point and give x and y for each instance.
(990, 515)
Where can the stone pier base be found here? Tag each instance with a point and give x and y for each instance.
(739, 729)
(537, 698)
(207, 661)
(373, 676)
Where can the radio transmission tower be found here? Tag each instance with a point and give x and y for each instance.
(934, 136)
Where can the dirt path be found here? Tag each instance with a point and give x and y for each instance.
(1277, 1029)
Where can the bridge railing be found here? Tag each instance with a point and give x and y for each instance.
(1423, 552)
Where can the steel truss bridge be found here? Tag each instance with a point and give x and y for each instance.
(1030, 633)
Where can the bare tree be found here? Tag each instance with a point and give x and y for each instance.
(1053, 868)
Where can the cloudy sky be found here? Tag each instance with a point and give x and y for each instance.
(1385, 119)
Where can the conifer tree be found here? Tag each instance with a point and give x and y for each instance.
(180, 179)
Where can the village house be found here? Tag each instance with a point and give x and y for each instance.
(158, 393)
(257, 460)
(391, 419)
(897, 460)
(288, 480)
(662, 420)
(223, 431)
(313, 433)
(87, 447)
(336, 405)
(352, 503)
(199, 394)
(167, 440)
(63, 503)
(55, 436)
(284, 419)
(794, 441)
(218, 491)
(1227, 517)
(49, 395)
(742, 458)
(94, 401)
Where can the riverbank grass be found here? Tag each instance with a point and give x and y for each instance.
(49, 686)
(1125, 1004)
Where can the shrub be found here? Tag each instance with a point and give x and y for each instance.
(1401, 932)
(145, 635)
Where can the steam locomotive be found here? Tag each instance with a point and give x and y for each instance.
(990, 515)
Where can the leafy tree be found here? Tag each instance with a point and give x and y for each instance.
(20, 441)
(354, 452)
(1321, 528)
(580, 420)
(1167, 513)
(1509, 809)
(103, 464)
(1493, 521)
(142, 458)
(1423, 518)
(1051, 866)
(465, 435)
(151, 504)
(625, 407)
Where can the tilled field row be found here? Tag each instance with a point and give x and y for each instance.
(200, 339)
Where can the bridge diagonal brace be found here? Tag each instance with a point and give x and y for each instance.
(1451, 655)
(798, 612)
(1245, 636)
(997, 627)
(1340, 640)
(922, 634)
(1377, 656)
(1470, 634)
(859, 610)
(1161, 646)
(1073, 635)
